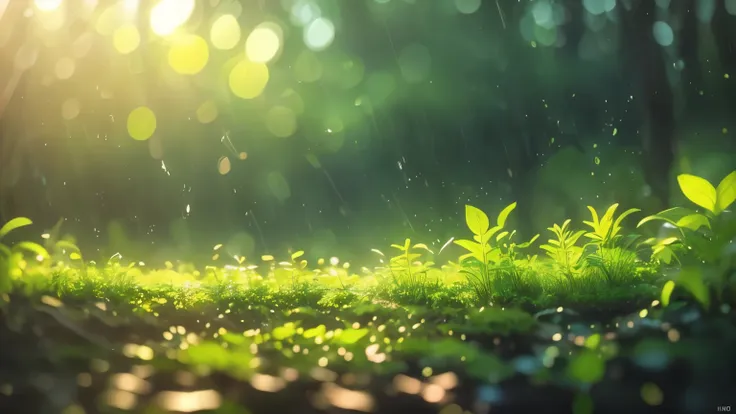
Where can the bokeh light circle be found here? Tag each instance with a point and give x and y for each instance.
(168, 15)
(189, 54)
(225, 32)
(319, 34)
(262, 44)
(141, 123)
(47, 5)
(247, 79)
(663, 33)
(467, 6)
(126, 39)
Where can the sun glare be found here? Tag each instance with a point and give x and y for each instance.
(168, 15)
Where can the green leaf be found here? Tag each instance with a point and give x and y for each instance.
(691, 280)
(14, 224)
(208, 354)
(617, 223)
(466, 257)
(608, 216)
(297, 255)
(698, 190)
(469, 245)
(476, 220)
(726, 192)
(671, 215)
(668, 241)
(422, 246)
(351, 336)
(483, 239)
(528, 243)
(67, 245)
(282, 332)
(663, 253)
(501, 220)
(594, 214)
(667, 292)
(33, 248)
(316, 331)
(693, 222)
(574, 238)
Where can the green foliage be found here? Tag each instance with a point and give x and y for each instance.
(14, 224)
(701, 192)
(481, 248)
(615, 265)
(12, 261)
(493, 321)
(408, 272)
(605, 230)
(491, 262)
(563, 250)
(707, 235)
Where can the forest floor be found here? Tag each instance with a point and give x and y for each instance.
(125, 339)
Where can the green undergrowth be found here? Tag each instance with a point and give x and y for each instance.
(599, 266)
(560, 313)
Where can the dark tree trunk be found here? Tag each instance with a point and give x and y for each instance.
(644, 58)
(688, 49)
(524, 120)
(724, 32)
(574, 28)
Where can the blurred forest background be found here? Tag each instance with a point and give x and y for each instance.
(354, 123)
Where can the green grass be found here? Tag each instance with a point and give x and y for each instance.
(269, 323)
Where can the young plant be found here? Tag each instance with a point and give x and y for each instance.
(611, 261)
(564, 251)
(408, 271)
(11, 258)
(295, 266)
(706, 234)
(480, 247)
(605, 231)
(487, 255)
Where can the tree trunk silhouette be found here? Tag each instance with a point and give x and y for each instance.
(688, 49)
(724, 32)
(523, 121)
(644, 59)
(574, 28)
